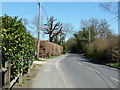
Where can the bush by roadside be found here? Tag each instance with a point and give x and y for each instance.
(17, 45)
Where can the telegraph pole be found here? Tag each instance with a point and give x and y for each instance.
(118, 60)
(89, 35)
(39, 25)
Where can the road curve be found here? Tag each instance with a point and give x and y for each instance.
(74, 71)
(82, 73)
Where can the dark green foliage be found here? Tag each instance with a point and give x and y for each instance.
(17, 44)
(59, 39)
(82, 38)
(65, 49)
(71, 45)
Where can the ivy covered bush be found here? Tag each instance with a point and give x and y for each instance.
(17, 45)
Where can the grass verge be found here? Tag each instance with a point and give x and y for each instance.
(51, 57)
(28, 78)
(114, 64)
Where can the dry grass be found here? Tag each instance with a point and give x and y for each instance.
(103, 49)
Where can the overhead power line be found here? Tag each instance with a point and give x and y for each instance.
(113, 22)
(27, 12)
(45, 12)
(43, 9)
(112, 19)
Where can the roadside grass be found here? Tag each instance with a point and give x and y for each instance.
(28, 78)
(51, 57)
(93, 59)
(113, 64)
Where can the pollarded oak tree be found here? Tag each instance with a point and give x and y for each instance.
(52, 28)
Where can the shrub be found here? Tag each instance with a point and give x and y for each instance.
(17, 44)
(104, 50)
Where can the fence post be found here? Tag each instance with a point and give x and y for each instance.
(21, 74)
(7, 74)
(30, 66)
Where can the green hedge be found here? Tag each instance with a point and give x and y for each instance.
(17, 44)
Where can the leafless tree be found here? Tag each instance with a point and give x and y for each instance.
(53, 28)
(68, 28)
(100, 27)
(111, 7)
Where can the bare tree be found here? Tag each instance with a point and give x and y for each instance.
(53, 28)
(98, 27)
(68, 28)
(111, 7)
(103, 28)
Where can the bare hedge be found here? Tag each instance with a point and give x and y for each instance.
(49, 49)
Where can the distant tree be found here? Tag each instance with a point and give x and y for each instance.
(68, 31)
(103, 29)
(71, 44)
(97, 27)
(59, 39)
(90, 29)
(53, 28)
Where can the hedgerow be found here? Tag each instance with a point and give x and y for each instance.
(17, 44)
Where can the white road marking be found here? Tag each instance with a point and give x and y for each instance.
(47, 70)
(61, 74)
(93, 70)
(97, 71)
(114, 79)
(57, 64)
(77, 61)
(90, 68)
(80, 63)
(74, 58)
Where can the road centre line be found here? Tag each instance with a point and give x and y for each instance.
(77, 61)
(97, 71)
(80, 63)
(114, 79)
(74, 58)
(87, 66)
(90, 68)
(93, 69)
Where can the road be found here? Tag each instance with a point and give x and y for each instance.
(75, 71)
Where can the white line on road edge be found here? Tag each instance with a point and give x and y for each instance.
(114, 79)
(61, 74)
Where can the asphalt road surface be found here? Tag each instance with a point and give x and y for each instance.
(75, 71)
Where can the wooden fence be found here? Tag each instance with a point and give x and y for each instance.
(6, 73)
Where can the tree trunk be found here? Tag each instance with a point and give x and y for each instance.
(50, 38)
